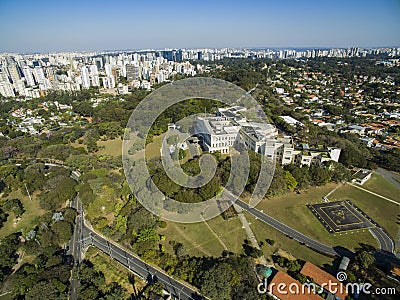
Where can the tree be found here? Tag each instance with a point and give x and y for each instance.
(251, 251)
(14, 205)
(66, 188)
(210, 189)
(165, 184)
(278, 183)
(293, 265)
(291, 182)
(302, 176)
(179, 249)
(364, 259)
(8, 254)
(120, 223)
(116, 292)
(88, 292)
(339, 172)
(62, 232)
(173, 139)
(147, 234)
(3, 217)
(320, 176)
(216, 282)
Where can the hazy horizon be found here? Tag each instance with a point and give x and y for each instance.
(44, 26)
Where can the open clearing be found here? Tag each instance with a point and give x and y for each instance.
(199, 240)
(27, 220)
(110, 147)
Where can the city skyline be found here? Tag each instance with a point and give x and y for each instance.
(44, 26)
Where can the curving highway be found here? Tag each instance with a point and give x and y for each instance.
(135, 264)
(385, 242)
(84, 236)
(289, 231)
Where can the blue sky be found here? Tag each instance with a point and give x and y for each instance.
(42, 25)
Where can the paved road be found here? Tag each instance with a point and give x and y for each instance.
(75, 247)
(138, 266)
(389, 176)
(296, 235)
(385, 242)
(249, 233)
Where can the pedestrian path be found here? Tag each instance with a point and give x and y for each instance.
(375, 194)
(250, 234)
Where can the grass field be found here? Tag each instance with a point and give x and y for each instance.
(381, 186)
(77, 145)
(230, 231)
(383, 212)
(110, 147)
(291, 209)
(292, 247)
(199, 240)
(27, 221)
(153, 149)
(112, 270)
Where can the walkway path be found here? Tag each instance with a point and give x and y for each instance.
(331, 192)
(249, 232)
(375, 194)
(216, 235)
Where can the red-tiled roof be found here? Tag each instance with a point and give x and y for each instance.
(322, 277)
(285, 287)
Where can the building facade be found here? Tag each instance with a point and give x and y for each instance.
(219, 133)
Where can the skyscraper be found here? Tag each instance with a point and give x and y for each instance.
(132, 72)
(94, 74)
(39, 75)
(6, 89)
(28, 76)
(85, 77)
(13, 72)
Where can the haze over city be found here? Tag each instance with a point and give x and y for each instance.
(43, 26)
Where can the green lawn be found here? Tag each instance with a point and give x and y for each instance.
(230, 232)
(113, 271)
(291, 209)
(153, 149)
(27, 221)
(199, 240)
(110, 147)
(381, 211)
(381, 186)
(77, 145)
(263, 231)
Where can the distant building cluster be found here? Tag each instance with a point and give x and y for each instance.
(221, 132)
(31, 75)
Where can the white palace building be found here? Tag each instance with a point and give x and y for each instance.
(220, 132)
